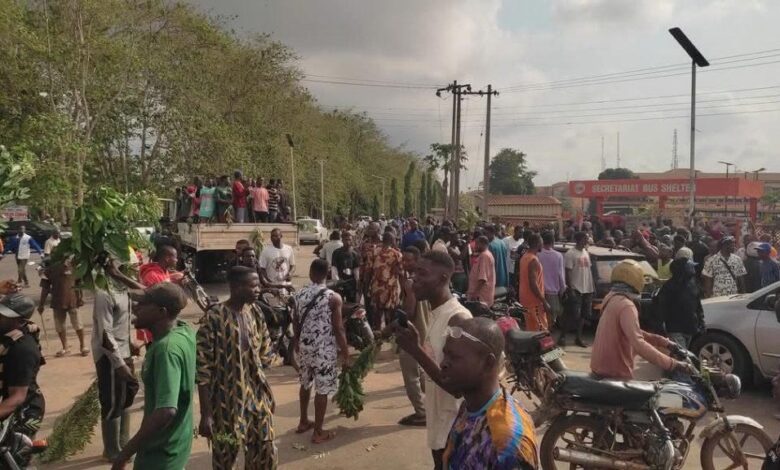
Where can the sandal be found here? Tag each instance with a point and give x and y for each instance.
(84, 352)
(62, 352)
(322, 438)
(412, 420)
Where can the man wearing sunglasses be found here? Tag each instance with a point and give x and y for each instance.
(491, 429)
(432, 275)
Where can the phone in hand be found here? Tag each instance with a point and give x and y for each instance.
(402, 318)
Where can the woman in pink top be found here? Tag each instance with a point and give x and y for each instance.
(260, 201)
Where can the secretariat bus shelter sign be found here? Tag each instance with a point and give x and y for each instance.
(706, 187)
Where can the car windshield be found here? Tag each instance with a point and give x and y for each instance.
(307, 225)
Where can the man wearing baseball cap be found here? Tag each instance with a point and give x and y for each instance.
(164, 440)
(20, 359)
(770, 270)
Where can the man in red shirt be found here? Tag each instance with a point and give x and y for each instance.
(239, 197)
(158, 270)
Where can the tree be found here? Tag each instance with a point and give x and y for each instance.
(375, 208)
(15, 169)
(617, 174)
(422, 199)
(509, 173)
(408, 205)
(440, 158)
(431, 184)
(393, 198)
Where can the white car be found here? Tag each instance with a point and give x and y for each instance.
(743, 334)
(311, 231)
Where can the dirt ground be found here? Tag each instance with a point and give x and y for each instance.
(373, 441)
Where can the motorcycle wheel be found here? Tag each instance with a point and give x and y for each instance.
(582, 431)
(717, 451)
(366, 334)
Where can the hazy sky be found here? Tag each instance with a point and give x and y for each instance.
(542, 56)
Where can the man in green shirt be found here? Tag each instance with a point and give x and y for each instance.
(164, 440)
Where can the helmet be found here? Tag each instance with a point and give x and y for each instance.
(629, 272)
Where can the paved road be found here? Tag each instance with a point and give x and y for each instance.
(373, 441)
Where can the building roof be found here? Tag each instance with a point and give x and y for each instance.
(684, 173)
(524, 200)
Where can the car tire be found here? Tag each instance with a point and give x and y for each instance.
(727, 350)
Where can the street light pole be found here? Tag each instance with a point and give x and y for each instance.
(292, 171)
(697, 59)
(726, 197)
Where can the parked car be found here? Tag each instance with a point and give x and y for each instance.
(39, 231)
(741, 335)
(311, 231)
(603, 260)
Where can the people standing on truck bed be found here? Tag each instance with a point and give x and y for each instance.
(207, 200)
(239, 197)
(259, 195)
(284, 203)
(273, 201)
(224, 198)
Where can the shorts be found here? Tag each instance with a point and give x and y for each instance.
(59, 319)
(556, 307)
(323, 374)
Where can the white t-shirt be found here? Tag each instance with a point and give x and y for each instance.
(581, 277)
(328, 248)
(511, 246)
(277, 262)
(50, 245)
(23, 251)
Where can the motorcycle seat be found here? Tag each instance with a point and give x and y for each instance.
(523, 342)
(626, 394)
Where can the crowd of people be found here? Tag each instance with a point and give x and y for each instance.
(414, 280)
(238, 200)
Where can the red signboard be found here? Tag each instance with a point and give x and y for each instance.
(705, 187)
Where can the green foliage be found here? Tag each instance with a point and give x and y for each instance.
(393, 208)
(350, 395)
(617, 174)
(468, 218)
(422, 199)
(105, 224)
(73, 430)
(15, 169)
(408, 206)
(145, 95)
(509, 173)
(375, 208)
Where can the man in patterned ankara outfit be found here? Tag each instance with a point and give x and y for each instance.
(236, 403)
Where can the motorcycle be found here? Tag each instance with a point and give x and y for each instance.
(197, 292)
(648, 425)
(17, 448)
(277, 305)
(503, 307)
(356, 326)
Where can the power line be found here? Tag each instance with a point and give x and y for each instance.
(652, 69)
(369, 80)
(632, 79)
(376, 85)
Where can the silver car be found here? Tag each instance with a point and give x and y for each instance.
(311, 231)
(743, 334)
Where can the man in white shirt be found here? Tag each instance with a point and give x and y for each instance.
(579, 279)
(51, 243)
(23, 242)
(277, 262)
(512, 243)
(327, 249)
(432, 283)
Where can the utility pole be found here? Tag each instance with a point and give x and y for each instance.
(451, 199)
(486, 170)
(322, 191)
(292, 171)
(618, 149)
(675, 162)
